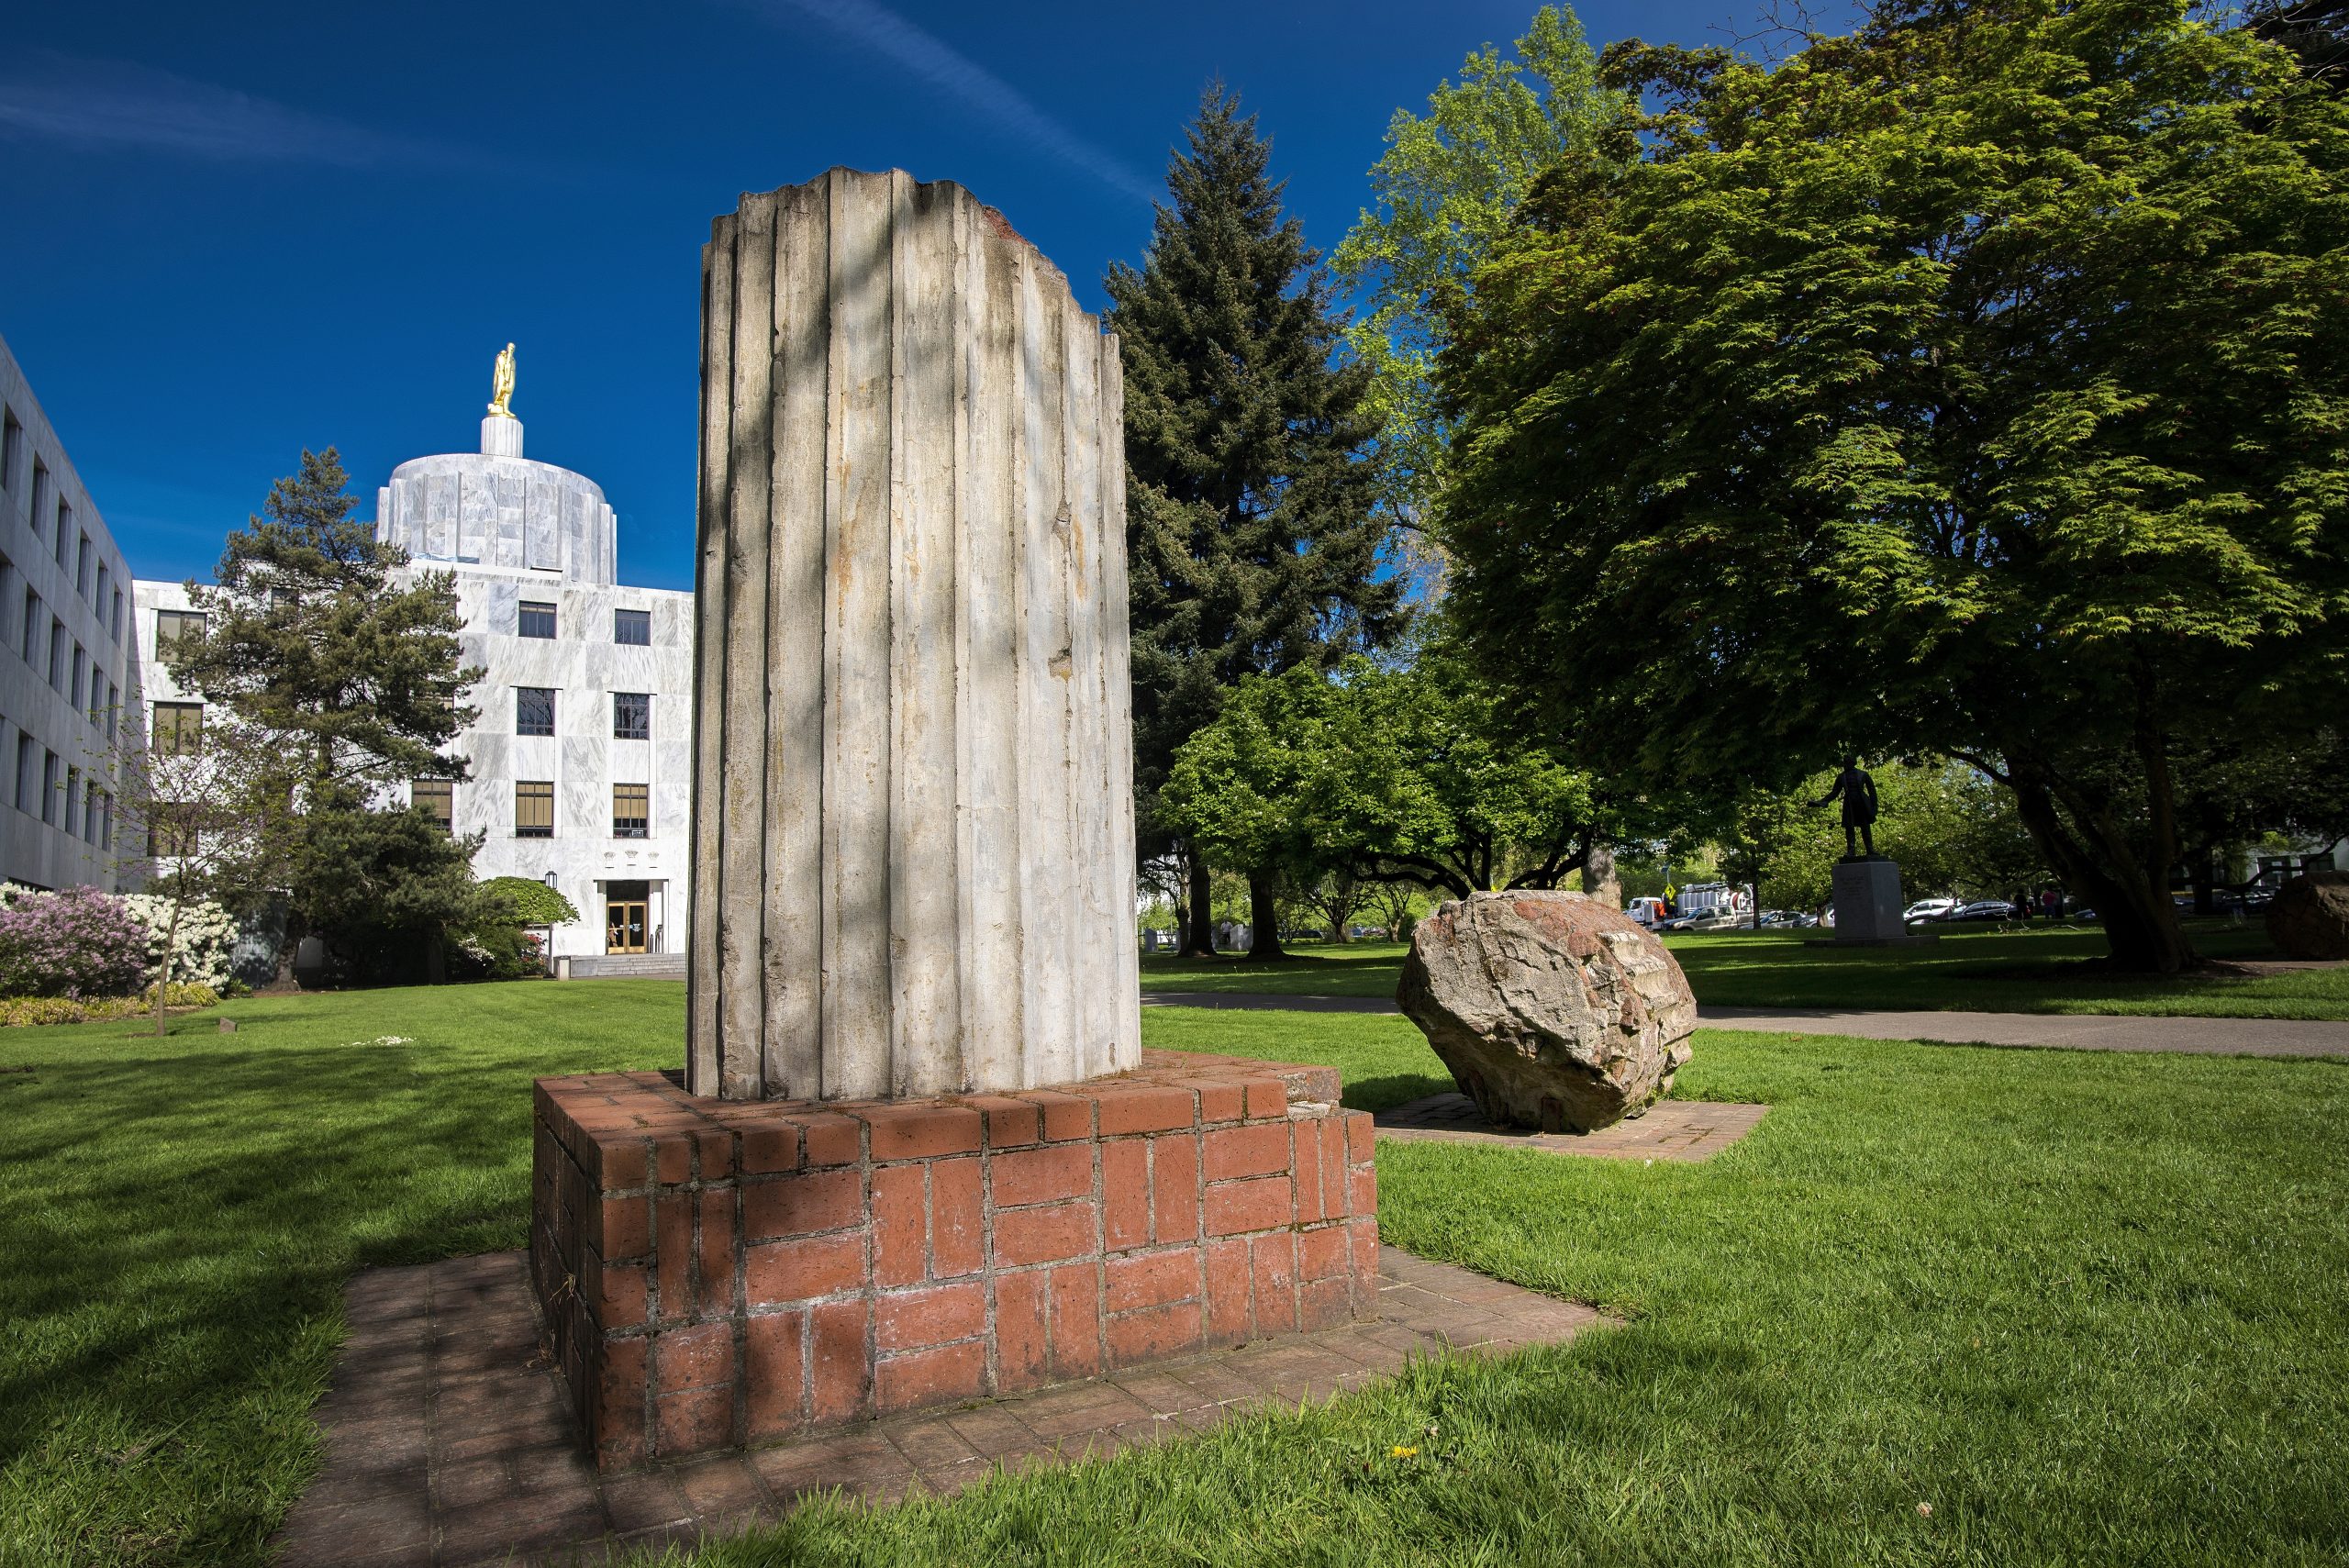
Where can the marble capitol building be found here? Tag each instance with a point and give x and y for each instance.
(581, 762)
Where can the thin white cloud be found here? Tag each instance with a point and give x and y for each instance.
(112, 104)
(935, 61)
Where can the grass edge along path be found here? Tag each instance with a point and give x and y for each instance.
(1981, 970)
(2083, 1307)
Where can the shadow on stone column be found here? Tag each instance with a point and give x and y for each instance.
(916, 1155)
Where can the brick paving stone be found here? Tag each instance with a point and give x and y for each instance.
(450, 1440)
(1682, 1131)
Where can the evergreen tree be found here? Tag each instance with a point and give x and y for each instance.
(317, 641)
(1253, 521)
(311, 637)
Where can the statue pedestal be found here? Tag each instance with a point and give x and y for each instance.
(1868, 906)
(501, 436)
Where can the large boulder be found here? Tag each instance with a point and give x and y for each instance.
(1551, 1010)
(2309, 917)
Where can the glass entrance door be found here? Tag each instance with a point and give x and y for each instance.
(624, 924)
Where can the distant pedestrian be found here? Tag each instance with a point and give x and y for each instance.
(2021, 902)
(2050, 903)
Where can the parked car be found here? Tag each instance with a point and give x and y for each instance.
(1930, 909)
(1983, 909)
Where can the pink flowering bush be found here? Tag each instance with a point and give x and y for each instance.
(77, 943)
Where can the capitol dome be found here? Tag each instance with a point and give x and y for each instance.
(496, 511)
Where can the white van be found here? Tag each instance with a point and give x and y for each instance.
(1648, 912)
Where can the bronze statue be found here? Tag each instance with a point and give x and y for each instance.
(501, 384)
(1858, 791)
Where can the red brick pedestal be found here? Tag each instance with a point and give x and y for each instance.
(722, 1272)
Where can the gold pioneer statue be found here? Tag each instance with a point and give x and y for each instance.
(501, 386)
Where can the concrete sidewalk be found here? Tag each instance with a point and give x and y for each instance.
(2069, 1031)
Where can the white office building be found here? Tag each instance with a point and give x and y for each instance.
(68, 659)
(580, 765)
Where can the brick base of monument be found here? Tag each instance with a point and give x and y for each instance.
(721, 1273)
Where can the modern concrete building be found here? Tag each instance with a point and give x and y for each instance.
(581, 762)
(68, 657)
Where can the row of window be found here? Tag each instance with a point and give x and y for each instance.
(68, 667)
(534, 808)
(53, 513)
(55, 790)
(632, 628)
(534, 713)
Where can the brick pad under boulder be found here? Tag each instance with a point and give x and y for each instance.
(717, 1273)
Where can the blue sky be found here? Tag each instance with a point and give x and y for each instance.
(233, 231)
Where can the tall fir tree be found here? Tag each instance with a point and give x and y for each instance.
(1254, 524)
(314, 640)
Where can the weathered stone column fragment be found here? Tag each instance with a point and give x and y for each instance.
(913, 838)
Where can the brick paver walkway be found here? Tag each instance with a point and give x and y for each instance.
(448, 1440)
(1685, 1130)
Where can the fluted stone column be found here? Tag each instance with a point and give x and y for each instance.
(913, 822)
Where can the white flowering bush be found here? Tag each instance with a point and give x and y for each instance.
(207, 936)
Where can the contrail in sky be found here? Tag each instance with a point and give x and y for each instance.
(939, 63)
(118, 104)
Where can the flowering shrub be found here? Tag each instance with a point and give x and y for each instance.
(208, 938)
(18, 1010)
(80, 942)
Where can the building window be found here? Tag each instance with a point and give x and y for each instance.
(631, 716)
(631, 810)
(90, 812)
(39, 516)
(71, 801)
(105, 820)
(437, 798)
(533, 710)
(114, 625)
(81, 566)
(179, 728)
(32, 627)
(27, 782)
(48, 786)
(80, 670)
(533, 809)
(633, 628)
(537, 620)
(12, 450)
(64, 529)
(56, 653)
(98, 599)
(114, 707)
(174, 627)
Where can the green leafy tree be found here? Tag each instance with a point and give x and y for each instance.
(1380, 775)
(1969, 386)
(530, 903)
(1254, 531)
(1443, 193)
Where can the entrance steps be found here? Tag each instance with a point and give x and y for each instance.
(622, 966)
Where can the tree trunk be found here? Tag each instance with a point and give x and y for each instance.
(1598, 878)
(1264, 918)
(163, 969)
(1199, 938)
(2133, 906)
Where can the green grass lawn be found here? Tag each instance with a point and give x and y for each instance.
(2086, 1307)
(1978, 969)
